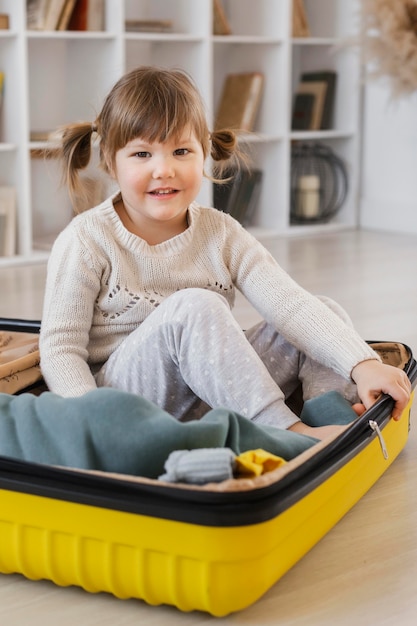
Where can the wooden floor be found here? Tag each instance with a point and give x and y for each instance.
(364, 572)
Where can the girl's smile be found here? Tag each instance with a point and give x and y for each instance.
(163, 192)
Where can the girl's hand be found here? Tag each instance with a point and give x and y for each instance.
(374, 378)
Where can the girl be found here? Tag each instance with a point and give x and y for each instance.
(140, 289)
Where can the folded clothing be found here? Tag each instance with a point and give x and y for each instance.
(19, 361)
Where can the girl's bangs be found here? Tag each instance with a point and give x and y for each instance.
(159, 121)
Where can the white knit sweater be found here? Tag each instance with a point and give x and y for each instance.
(103, 281)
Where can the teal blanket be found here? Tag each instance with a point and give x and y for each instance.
(114, 431)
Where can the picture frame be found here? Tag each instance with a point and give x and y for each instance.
(7, 221)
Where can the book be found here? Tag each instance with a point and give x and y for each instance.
(302, 111)
(239, 101)
(66, 15)
(53, 14)
(239, 196)
(318, 90)
(247, 198)
(222, 193)
(95, 15)
(7, 221)
(330, 78)
(1, 88)
(4, 21)
(78, 19)
(221, 24)
(300, 26)
(44, 135)
(1, 103)
(45, 153)
(36, 11)
(148, 26)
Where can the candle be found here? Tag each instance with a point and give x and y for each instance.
(308, 196)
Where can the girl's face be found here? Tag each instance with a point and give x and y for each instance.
(158, 181)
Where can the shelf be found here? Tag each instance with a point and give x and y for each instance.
(69, 34)
(60, 77)
(246, 138)
(246, 40)
(35, 257)
(315, 41)
(174, 37)
(314, 135)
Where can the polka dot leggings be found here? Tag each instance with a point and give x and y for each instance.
(190, 355)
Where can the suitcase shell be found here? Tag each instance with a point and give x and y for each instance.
(216, 548)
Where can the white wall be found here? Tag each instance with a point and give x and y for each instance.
(389, 167)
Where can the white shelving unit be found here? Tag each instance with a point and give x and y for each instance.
(54, 77)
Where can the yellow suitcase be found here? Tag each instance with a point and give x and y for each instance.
(216, 548)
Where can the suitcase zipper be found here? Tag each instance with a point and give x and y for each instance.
(376, 429)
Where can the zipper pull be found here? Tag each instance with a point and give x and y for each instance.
(376, 430)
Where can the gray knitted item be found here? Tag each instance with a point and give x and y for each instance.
(203, 465)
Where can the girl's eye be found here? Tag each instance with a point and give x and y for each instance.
(142, 155)
(181, 151)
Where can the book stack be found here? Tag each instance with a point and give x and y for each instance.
(240, 101)
(65, 14)
(239, 197)
(314, 101)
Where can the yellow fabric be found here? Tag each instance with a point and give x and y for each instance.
(256, 462)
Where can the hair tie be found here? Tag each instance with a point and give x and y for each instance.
(93, 128)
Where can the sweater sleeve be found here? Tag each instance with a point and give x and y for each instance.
(71, 290)
(302, 318)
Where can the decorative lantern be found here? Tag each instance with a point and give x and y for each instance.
(319, 183)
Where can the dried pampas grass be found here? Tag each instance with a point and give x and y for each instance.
(389, 42)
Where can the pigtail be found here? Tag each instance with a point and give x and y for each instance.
(226, 154)
(223, 145)
(76, 155)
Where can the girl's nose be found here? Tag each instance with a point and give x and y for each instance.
(163, 168)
